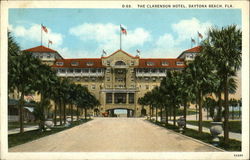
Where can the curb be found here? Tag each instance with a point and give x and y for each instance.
(196, 140)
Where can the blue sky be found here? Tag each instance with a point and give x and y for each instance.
(84, 33)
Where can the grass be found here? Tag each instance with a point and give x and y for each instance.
(13, 125)
(234, 126)
(20, 138)
(233, 145)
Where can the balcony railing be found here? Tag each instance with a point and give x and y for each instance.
(157, 74)
(88, 74)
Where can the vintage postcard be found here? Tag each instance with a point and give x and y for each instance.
(124, 80)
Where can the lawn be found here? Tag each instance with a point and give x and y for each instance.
(234, 126)
(233, 145)
(20, 138)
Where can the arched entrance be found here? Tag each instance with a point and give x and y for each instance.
(120, 112)
(143, 112)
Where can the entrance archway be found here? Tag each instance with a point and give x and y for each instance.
(120, 112)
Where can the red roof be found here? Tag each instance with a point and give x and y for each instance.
(82, 63)
(158, 63)
(196, 49)
(193, 50)
(41, 49)
(123, 52)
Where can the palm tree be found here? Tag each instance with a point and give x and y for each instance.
(203, 80)
(22, 69)
(224, 46)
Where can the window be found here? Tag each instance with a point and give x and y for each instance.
(93, 70)
(48, 56)
(108, 98)
(132, 70)
(150, 63)
(179, 63)
(93, 87)
(108, 63)
(59, 63)
(74, 63)
(132, 63)
(108, 78)
(90, 63)
(120, 97)
(70, 71)
(131, 98)
(147, 87)
(41, 56)
(120, 63)
(146, 78)
(78, 70)
(161, 70)
(165, 63)
(108, 70)
(153, 70)
(85, 70)
(62, 70)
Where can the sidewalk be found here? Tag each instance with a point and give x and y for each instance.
(232, 135)
(17, 130)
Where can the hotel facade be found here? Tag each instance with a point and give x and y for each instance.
(116, 80)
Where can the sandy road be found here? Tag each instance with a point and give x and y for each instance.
(114, 135)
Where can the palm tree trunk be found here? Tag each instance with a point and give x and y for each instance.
(21, 101)
(185, 113)
(174, 115)
(200, 111)
(77, 112)
(226, 125)
(166, 111)
(71, 109)
(150, 112)
(156, 113)
(64, 112)
(161, 113)
(85, 113)
(220, 107)
(60, 111)
(170, 112)
(55, 114)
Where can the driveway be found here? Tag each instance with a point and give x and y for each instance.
(115, 135)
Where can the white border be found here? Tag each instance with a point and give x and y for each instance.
(243, 5)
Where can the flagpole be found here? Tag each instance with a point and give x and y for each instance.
(41, 35)
(191, 43)
(198, 39)
(120, 38)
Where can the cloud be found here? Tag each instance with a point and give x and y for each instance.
(107, 36)
(171, 46)
(188, 28)
(33, 33)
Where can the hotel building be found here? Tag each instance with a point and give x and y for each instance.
(116, 80)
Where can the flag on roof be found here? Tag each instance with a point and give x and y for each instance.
(104, 53)
(44, 29)
(200, 35)
(138, 51)
(192, 40)
(123, 30)
(50, 42)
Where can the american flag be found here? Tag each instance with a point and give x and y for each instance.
(200, 35)
(123, 30)
(44, 29)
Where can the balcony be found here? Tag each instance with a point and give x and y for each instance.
(87, 74)
(149, 74)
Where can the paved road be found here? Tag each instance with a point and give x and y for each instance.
(115, 135)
